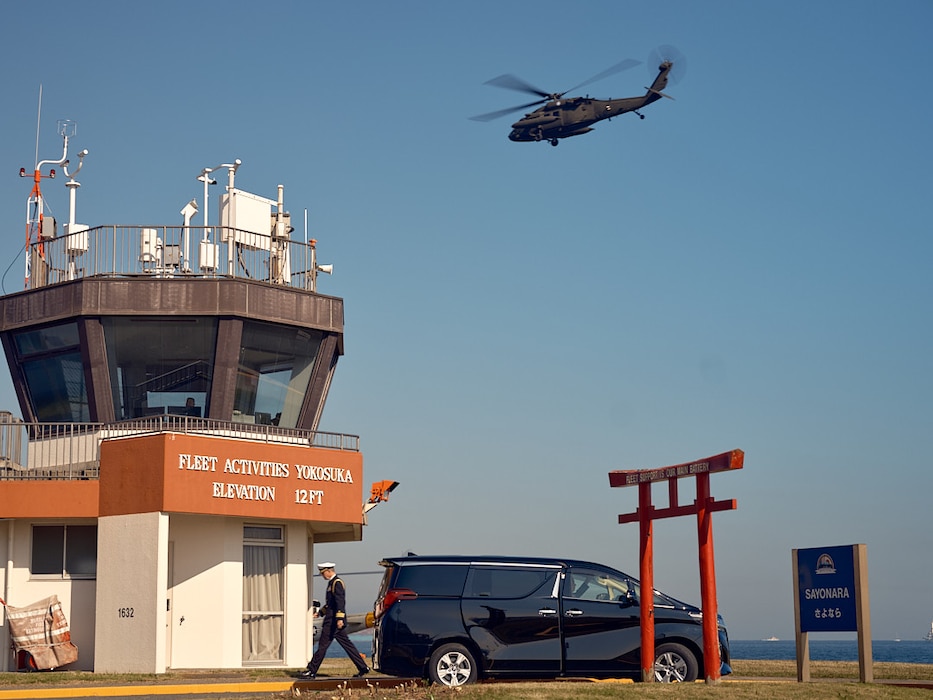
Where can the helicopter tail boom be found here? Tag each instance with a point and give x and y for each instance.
(655, 91)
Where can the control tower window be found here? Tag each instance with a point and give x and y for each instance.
(51, 362)
(160, 365)
(273, 373)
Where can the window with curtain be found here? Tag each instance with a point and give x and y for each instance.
(263, 593)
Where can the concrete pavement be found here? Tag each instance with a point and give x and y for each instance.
(207, 687)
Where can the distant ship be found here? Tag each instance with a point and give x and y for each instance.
(929, 635)
(772, 638)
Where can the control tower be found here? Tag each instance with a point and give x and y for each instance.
(165, 478)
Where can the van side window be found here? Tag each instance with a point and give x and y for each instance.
(430, 579)
(592, 584)
(490, 582)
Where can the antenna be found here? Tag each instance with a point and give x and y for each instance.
(67, 129)
(36, 224)
(208, 180)
(38, 120)
(315, 268)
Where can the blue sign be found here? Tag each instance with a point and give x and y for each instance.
(826, 585)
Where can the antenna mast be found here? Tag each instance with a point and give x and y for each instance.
(38, 120)
(37, 228)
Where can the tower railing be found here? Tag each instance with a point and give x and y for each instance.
(63, 451)
(171, 252)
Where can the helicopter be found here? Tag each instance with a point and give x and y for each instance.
(561, 118)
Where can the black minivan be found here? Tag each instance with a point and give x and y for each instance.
(457, 619)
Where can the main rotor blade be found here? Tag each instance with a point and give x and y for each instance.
(612, 70)
(502, 112)
(512, 82)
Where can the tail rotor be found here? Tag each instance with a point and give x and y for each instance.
(668, 54)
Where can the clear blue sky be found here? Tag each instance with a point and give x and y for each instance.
(748, 267)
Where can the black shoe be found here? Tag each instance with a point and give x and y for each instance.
(307, 675)
(361, 673)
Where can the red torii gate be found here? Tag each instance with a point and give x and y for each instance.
(703, 507)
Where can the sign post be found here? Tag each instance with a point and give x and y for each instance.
(831, 595)
(703, 507)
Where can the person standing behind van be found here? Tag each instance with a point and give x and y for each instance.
(334, 627)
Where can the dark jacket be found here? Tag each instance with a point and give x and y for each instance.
(335, 602)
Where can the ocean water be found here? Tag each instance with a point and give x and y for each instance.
(362, 640)
(906, 651)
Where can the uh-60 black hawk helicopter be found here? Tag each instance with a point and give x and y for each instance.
(561, 118)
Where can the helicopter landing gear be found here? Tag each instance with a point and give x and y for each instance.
(554, 142)
(640, 115)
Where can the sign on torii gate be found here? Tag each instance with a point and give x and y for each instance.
(703, 507)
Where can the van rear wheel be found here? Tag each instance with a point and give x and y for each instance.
(452, 665)
(673, 663)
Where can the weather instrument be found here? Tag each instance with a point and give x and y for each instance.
(560, 117)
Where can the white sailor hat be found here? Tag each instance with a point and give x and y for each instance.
(326, 565)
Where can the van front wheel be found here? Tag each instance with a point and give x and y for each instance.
(452, 665)
(673, 663)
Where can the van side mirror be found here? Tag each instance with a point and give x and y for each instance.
(630, 598)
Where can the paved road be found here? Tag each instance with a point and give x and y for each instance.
(225, 689)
